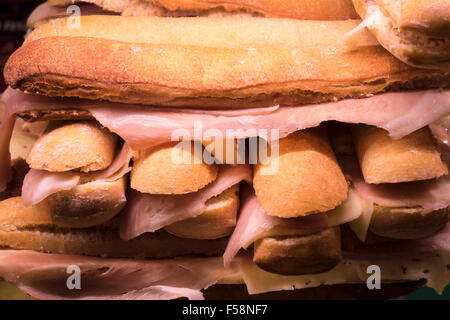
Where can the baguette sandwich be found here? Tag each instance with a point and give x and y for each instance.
(138, 160)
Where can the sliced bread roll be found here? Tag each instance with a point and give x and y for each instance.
(84, 146)
(384, 160)
(407, 223)
(308, 180)
(172, 169)
(217, 221)
(308, 254)
(21, 228)
(87, 204)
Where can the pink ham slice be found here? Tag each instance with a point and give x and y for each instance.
(148, 213)
(254, 224)
(44, 276)
(145, 126)
(431, 195)
(39, 184)
(399, 113)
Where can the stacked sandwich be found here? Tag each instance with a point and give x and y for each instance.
(240, 145)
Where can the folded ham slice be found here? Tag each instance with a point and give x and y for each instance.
(145, 126)
(44, 276)
(148, 213)
(253, 224)
(39, 184)
(431, 195)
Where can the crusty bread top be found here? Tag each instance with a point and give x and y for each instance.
(297, 9)
(172, 169)
(308, 178)
(82, 145)
(234, 65)
(426, 16)
(384, 160)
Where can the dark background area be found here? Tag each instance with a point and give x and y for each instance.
(13, 18)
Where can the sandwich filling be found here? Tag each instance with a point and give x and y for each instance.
(338, 166)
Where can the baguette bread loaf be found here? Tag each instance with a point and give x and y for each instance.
(172, 169)
(308, 179)
(384, 160)
(217, 221)
(205, 62)
(308, 254)
(20, 228)
(84, 146)
(296, 9)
